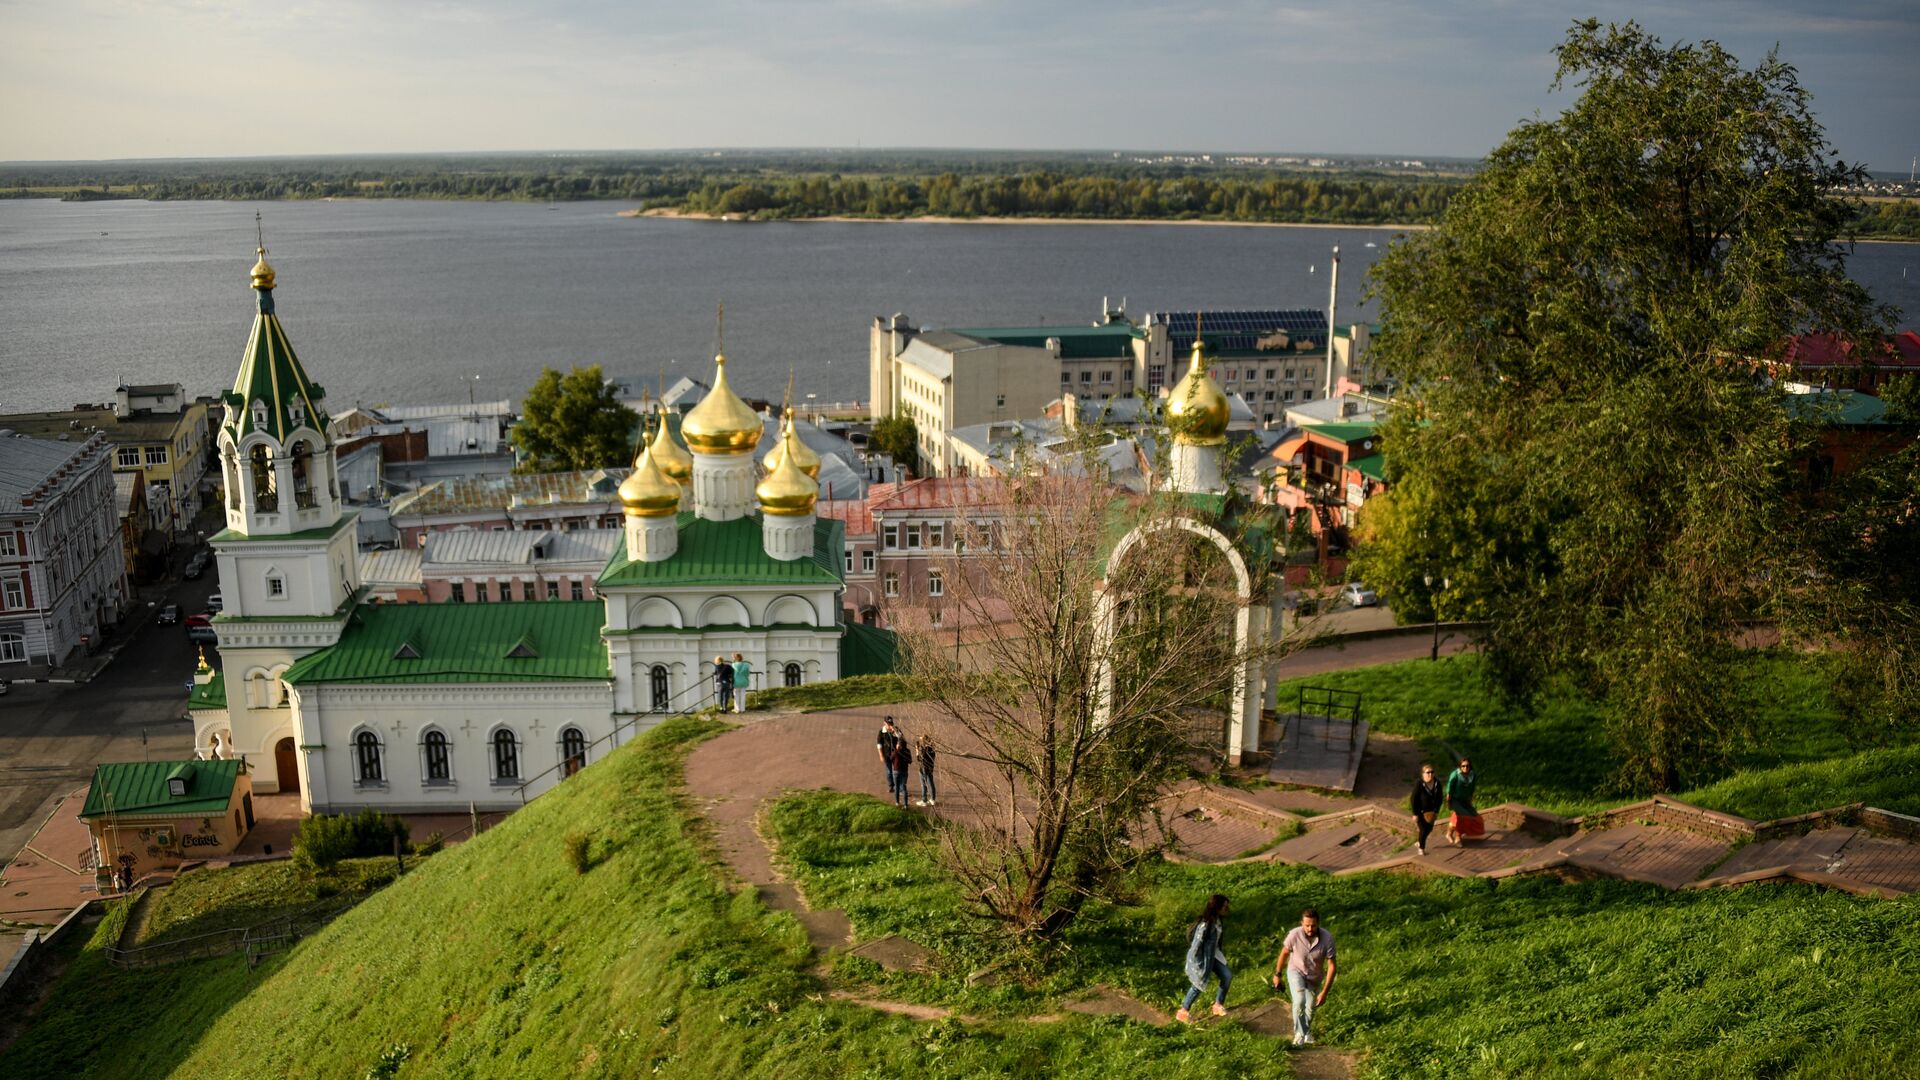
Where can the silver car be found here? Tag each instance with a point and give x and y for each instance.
(1359, 595)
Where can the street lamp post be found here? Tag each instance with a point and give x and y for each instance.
(1433, 597)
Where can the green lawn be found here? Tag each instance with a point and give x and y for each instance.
(204, 901)
(1555, 756)
(1439, 976)
(839, 694)
(496, 959)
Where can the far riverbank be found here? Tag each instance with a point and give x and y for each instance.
(933, 219)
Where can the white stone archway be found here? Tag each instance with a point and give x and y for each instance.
(1249, 626)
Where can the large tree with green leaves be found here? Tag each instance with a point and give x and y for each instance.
(573, 421)
(898, 437)
(1595, 463)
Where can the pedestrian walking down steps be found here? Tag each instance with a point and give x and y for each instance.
(1205, 960)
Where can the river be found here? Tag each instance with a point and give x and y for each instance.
(393, 301)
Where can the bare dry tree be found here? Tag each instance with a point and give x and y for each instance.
(1063, 790)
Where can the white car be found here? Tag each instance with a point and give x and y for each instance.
(1359, 595)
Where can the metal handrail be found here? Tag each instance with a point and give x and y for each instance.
(707, 695)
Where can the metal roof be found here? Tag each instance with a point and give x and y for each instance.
(140, 787)
(398, 566)
(25, 464)
(1079, 342)
(731, 553)
(209, 695)
(470, 494)
(525, 547)
(463, 643)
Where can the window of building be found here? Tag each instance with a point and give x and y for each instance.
(553, 590)
(1306, 395)
(1106, 376)
(890, 537)
(506, 755)
(8, 545)
(127, 457)
(866, 560)
(849, 562)
(1289, 373)
(1267, 418)
(479, 592)
(577, 590)
(277, 586)
(1271, 372)
(13, 594)
(1086, 377)
(438, 758)
(1269, 395)
(913, 536)
(936, 536)
(573, 750)
(1066, 377)
(791, 674)
(1000, 401)
(657, 685)
(156, 455)
(892, 585)
(13, 648)
(935, 618)
(366, 758)
(459, 593)
(1288, 395)
(936, 584)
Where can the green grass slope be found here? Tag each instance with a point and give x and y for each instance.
(1554, 754)
(496, 959)
(1444, 977)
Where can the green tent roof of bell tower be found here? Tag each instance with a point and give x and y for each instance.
(271, 375)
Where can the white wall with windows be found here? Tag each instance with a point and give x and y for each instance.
(427, 748)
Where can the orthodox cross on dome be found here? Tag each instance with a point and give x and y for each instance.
(259, 233)
(720, 328)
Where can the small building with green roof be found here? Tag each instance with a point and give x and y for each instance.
(149, 815)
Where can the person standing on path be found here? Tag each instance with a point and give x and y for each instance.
(889, 738)
(928, 790)
(1427, 799)
(1465, 820)
(902, 761)
(1306, 958)
(1204, 959)
(742, 680)
(723, 682)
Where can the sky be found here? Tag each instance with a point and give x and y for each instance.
(89, 79)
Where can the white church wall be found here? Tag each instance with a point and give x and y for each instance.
(469, 716)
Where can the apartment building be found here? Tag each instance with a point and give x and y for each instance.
(63, 574)
(155, 429)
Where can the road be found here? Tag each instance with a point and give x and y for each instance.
(52, 735)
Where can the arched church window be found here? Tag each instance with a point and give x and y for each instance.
(366, 756)
(506, 755)
(232, 477)
(662, 693)
(439, 761)
(266, 489)
(302, 454)
(573, 750)
(792, 673)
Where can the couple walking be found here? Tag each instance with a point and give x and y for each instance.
(731, 682)
(898, 757)
(1457, 796)
(1306, 962)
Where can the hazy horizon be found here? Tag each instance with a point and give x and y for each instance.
(104, 80)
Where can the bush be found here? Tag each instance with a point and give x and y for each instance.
(432, 844)
(325, 839)
(577, 852)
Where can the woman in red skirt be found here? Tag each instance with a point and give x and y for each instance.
(1465, 820)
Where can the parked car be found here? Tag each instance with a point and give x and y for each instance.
(215, 603)
(3, 688)
(203, 635)
(1359, 595)
(197, 565)
(168, 615)
(199, 620)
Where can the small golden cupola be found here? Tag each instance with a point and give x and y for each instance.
(1197, 411)
(262, 273)
(787, 491)
(669, 456)
(804, 457)
(646, 492)
(721, 423)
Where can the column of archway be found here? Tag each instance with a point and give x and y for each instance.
(1103, 635)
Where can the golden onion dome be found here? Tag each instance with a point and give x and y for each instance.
(1197, 411)
(262, 273)
(646, 492)
(721, 423)
(787, 492)
(671, 458)
(808, 461)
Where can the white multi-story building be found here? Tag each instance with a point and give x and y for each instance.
(63, 576)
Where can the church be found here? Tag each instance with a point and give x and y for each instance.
(438, 707)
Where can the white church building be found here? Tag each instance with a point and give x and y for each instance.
(435, 707)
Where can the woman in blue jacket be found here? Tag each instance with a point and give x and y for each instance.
(1204, 958)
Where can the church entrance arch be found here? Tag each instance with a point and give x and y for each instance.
(286, 766)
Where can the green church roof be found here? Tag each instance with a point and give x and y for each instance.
(731, 553)
(868, 650)
(271, 375)
(525, 641)
(211, 695)
(140, 787)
